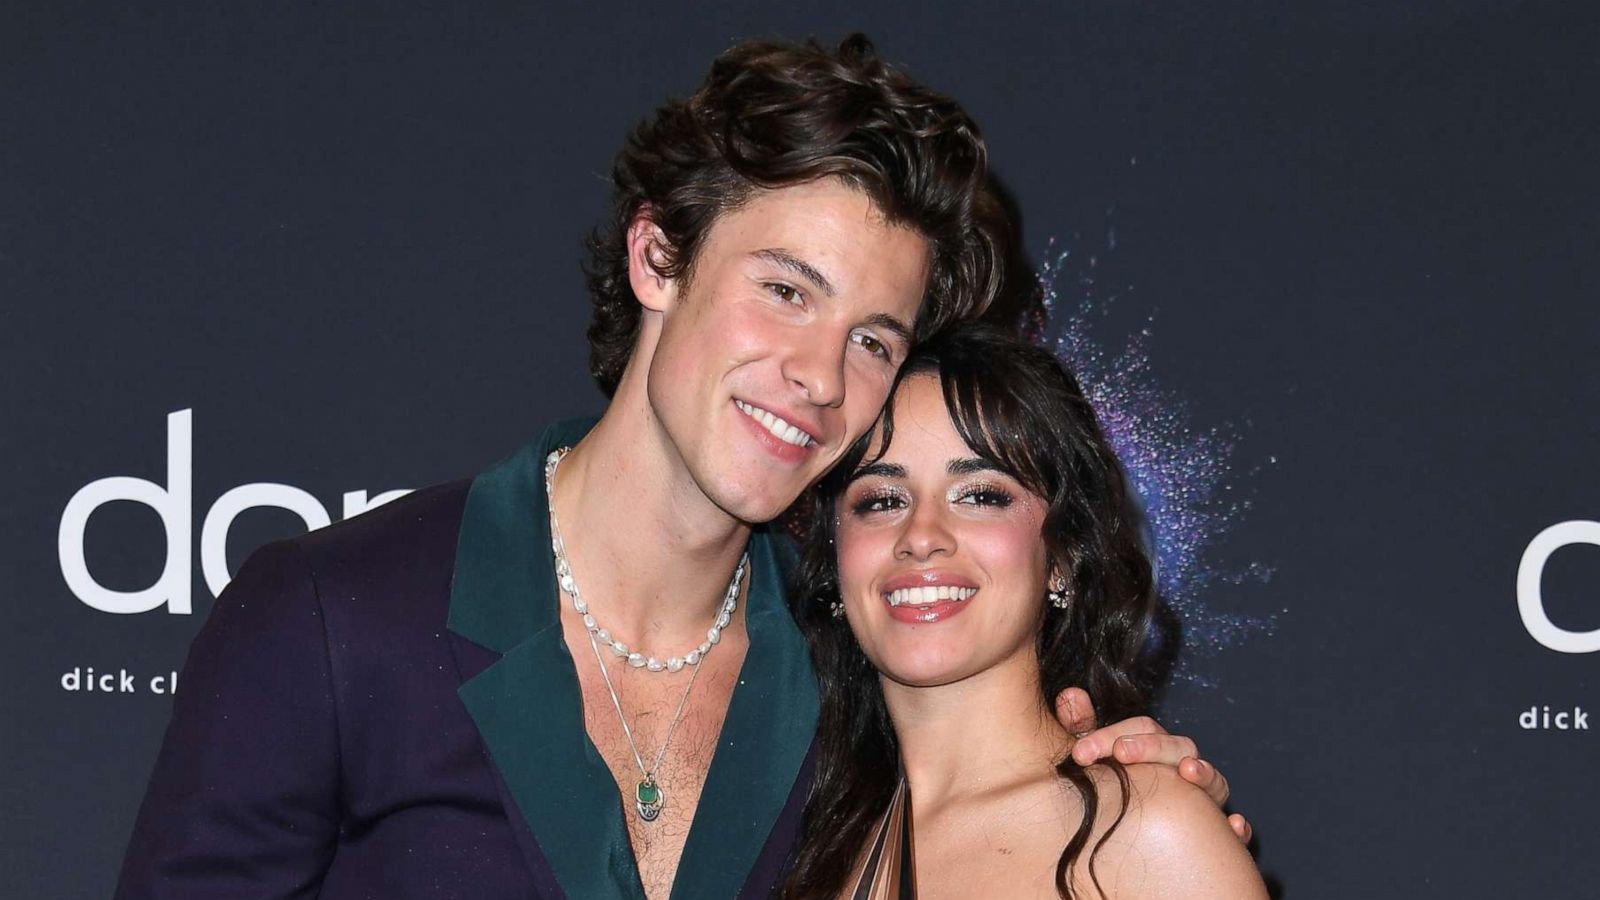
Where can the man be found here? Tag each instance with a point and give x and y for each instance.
(576, 676)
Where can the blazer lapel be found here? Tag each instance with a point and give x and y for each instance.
(526, 704)
(472, 659)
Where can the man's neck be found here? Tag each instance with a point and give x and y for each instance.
(651, 553)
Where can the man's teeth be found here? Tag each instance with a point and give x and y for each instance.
(923, 596)
(780, 429)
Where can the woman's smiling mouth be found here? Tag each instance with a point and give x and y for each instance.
(928, 595)
(922, 598)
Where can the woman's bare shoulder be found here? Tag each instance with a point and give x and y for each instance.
(1171, 842)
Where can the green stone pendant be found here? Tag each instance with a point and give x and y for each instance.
(647, 797)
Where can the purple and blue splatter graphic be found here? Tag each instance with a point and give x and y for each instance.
(1183, 474)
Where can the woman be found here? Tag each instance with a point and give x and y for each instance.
(976, 554)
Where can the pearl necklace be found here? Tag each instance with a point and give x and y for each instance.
(635, 658)
(647, 794)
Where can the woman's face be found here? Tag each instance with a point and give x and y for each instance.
(942, 567)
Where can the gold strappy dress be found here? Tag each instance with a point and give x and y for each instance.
(887, 870)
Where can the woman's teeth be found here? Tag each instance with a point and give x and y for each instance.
(780, 429)
(924, 596)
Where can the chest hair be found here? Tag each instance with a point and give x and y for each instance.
(649, 701)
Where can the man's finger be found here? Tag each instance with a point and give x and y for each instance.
(1162, 749)
(1102, 743)
(1241, 827)
(1205, 776)
(1075, 711)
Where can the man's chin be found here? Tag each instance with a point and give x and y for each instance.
(757, 506)
(759, 514)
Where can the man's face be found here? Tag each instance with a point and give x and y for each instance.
(780, 351)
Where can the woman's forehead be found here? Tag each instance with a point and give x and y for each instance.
(923, 427)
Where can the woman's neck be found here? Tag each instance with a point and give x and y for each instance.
(981, 734)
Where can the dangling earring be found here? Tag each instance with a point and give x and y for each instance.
(1058, 592)
(836, 605)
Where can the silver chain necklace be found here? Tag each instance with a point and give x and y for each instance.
(648, 797)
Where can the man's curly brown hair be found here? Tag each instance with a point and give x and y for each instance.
(773, 114)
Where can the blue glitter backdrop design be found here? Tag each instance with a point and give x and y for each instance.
(1183, 474)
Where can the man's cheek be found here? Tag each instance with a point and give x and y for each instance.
(860, 416)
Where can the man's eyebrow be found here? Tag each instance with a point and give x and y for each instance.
(971, 465)
(879, 469)
(891, 324)
(798, 266)
(795, 264)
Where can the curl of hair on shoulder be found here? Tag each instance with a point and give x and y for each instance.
(1018, 407)
(772, 114)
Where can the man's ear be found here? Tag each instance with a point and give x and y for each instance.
(647, 258)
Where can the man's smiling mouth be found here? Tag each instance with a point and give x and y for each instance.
(780, 429)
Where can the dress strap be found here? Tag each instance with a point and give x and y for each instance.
(888, 870)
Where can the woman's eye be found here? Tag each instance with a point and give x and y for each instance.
(985, 496)
(785, 293)
(871, 503)
(871, 344)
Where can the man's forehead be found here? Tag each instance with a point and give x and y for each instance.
(799, 216)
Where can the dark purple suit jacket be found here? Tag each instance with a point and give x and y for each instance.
(319, 746)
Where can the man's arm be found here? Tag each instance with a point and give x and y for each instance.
(244, 797)
(1141, 739)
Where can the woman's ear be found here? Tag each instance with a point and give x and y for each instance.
(648, 260)
(1057, 587)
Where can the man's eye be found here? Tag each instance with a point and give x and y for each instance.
(871, 344)
(785, 293)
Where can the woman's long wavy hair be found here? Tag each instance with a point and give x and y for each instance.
(772, 114)
(1018, 408)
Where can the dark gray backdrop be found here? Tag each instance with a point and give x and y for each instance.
(348, 240)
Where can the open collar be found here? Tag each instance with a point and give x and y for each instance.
(529, 711)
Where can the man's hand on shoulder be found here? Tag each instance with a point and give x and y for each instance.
(1141, 739)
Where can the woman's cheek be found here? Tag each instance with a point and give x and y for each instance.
(851, 548)
(865, 549)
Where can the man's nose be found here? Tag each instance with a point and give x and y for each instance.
(817, 368)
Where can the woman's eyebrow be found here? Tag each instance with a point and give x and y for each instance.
(879, 469)
(970, 465)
